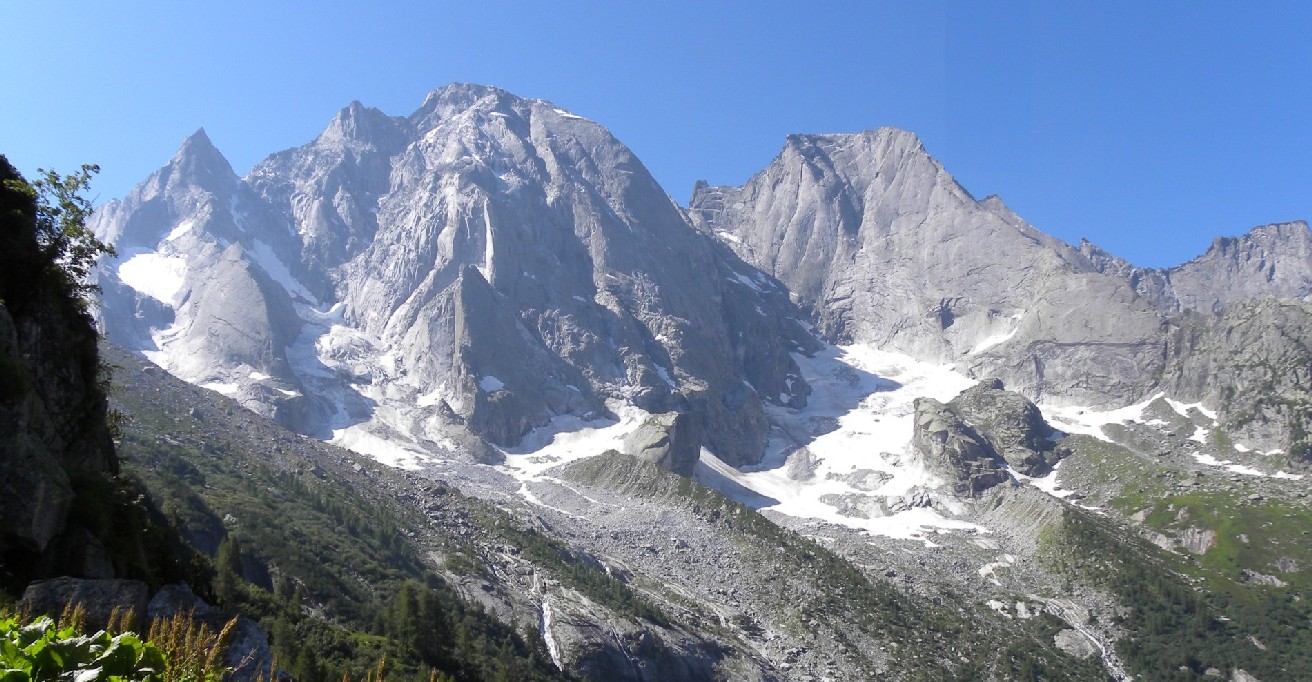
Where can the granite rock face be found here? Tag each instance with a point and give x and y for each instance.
(487, 264)
(670, 441)
(972, 441)
(1252, 364)
(879, 243)
(1270, 261)
(950, 449)
(1012, 426)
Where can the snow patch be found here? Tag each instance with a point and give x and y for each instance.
(386, 451)
(490, 384)
(181, 229)
(227, 388)
(1089, 421)
(568, 438)
(277, 270)
(1183, 408)
(156, 276)
(1047, 484)
(566, 114)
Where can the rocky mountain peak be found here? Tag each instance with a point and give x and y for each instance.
(456, 98)
(199, 161)
(357, 125)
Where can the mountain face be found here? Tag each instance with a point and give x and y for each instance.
(890, 405)
(485, 265)
(1269, 261)
(882, 246)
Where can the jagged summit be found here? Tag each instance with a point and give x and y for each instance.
(483, 266)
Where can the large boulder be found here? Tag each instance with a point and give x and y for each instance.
(1011, 425)
(101, 600)
(951, 450)
(671, 441)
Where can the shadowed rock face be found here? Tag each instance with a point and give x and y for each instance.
(489, 260)
(52, 408)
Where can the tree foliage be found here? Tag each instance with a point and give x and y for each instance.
(68, 249)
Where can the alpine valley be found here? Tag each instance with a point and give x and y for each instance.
(843, 422)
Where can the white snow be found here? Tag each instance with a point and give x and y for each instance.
(1183, 408)
(1200, 434)
(159, 277)
(1047, 484)
(664, 374)
(568, 438)
(258, 376)
(182, 228)
(227, 388)
(1089, 421)
(1245, 470)
(728, 236)
(1286, 475)
(277, 270)
(1240, 468)
(992, 341)
(385, 451)
(490, 383)
(566, 114)
(746, 281)
(1240, 447)
(868, 395)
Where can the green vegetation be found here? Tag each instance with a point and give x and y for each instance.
(327, 569)
(176, 650)
(1180, 619)
(1251, 534)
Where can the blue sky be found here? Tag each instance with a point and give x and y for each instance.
(1149, 128)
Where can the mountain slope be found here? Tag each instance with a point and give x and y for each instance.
(882, 246)
(486, 264)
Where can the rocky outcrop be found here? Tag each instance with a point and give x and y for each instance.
(1011, 425)
(879, 243)
(1253, 365)
(973, 440)
(102, 601)
(671, 441)
(247, 653)
(52, 408)
(1270, 261)
(951, 450)
(1075, 644)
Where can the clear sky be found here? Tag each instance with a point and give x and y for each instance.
(1148, 127)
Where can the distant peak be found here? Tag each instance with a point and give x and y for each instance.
(356, 121)
(199, 159)
(456, 97)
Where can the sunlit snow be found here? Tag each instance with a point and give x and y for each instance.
(156, 276)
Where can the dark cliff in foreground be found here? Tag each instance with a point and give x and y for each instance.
(58, 493)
